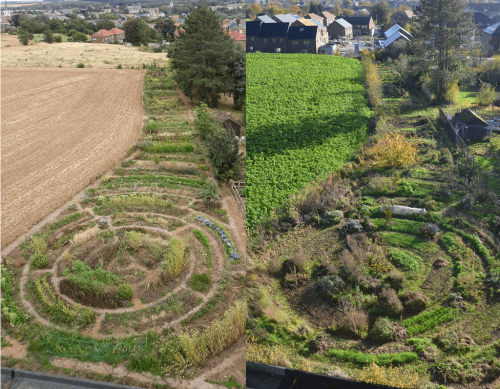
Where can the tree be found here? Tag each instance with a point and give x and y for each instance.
(166, 27)
(224, 155)
(381, 12)
(132, 32)
(237, 72)
(296, 10)
(105, 25)
(255, 8)
(442, 27)
(16, 19)
(201, 56)
(486, 94)
(80, 37)
(48, 36)
(55, 25)
(144, 32)
(337, 10)
(315, 8)
(23, 36)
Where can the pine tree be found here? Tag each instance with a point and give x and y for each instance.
(48, 36)
(442, 27)
(23, 36)
(201, 56)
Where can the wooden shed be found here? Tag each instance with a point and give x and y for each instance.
(229, 122)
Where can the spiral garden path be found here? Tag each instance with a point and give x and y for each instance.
(178, 259)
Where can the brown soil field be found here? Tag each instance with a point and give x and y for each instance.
(69, 54)
(60, 128)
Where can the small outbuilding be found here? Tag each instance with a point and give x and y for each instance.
(469, 126)
(229, 122)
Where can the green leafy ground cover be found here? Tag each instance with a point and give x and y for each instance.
(299, 128)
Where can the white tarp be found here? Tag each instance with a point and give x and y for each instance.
(404, 211)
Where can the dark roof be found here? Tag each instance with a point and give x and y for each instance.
(357, 20)
(302, 32)
(287, 18)
(488, 7)
(481, 20)
(466, 116)
(265, 19)
(253, 28)
(274, 30)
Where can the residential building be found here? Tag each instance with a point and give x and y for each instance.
(286, 18)
(304, 39)
(265, 19)
(482, 21)
(394, 34)
(273, 38)
(491, 35)
(361, 25)
(313, 16)
(253, 31)
(328, 18)
(103, 36)
(238, 38)
(402, 17)
(340, 28)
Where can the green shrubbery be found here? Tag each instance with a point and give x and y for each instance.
(125, 292)
(428, 320)
(362, 358)
(89, 280)
(381, 330)
(405, 259)
(38, 261)
(201, 282)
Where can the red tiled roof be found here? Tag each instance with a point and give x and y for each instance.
(102, 33)
(235, 35)
(116, 31)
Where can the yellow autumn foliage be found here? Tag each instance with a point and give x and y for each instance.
(390, 376)
(391, 151)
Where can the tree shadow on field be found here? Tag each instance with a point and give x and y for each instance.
(299, 133)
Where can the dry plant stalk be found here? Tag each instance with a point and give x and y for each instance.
(392, 151)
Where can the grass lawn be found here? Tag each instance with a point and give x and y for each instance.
(39, 37)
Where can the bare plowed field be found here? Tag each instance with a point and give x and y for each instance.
(60, 128)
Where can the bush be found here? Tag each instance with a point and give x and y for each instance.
(331, 217)
(331, 284)
(23, 36)
(415, 301)
(48, 36)
(125, 292)
(201, 282)
(352, 226)
(298, 261)
(446, 157)
(392, 303)
(405, 259)
(396, 279)
(119, 66)
(392, 151)
(419, 344)
(80, 65)
(430, 203)
(80, 37)
(38, 261)
(394, 377)
(175, 257)
(223, 150)
(381, 330)
(58, 39)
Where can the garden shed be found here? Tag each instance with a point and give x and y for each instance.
(229, 122)
(470, 126)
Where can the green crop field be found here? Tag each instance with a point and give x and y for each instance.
(306, 115)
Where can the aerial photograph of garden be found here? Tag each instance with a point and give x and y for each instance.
(373, 228)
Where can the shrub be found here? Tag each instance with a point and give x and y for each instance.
(125, 292)
(58, 39)
(119, 66)
(88, 279)
(48, 36)
(331, 284)
(134, 239)
(331, 217)
(392, 303)
(80, 65)
(446, 157)
(175, 257)
(419, 344)
(415, 301)
(405, 259)
(38, 261)
(392, 151)
(430, 203)
(381, 330)
(201, 282)
(352, 226)
(298, 261)
(396, 279)
(390, 376)
(23, 36)
(223, 151)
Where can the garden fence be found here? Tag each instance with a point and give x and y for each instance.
(469, 158)
(236, 187)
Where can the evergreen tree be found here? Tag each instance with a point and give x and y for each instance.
(201, 56)
(237, 74)
(315, 8)
(48, 36)
(442, 27)
(166, 27)
(224, 155)
(23, 36)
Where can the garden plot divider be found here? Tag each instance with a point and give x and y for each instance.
(470, 159)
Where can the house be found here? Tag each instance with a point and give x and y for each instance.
(273, 38)
(286, 18)
(313, 16)
(483, 7)
(265, 19)
(469, 126)
(361, 25)
(7, 12)
(229, 122)
(394, 34)
(304, 22)
(402, 17)
(340, 29)
(328, 18)
(481, 20)
(103, 36)
(491, 35)
(323, 30)
(304, 39)
(238, 38)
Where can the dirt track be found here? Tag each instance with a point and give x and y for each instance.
(60, 129)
